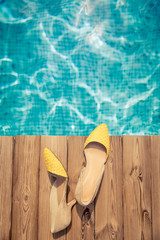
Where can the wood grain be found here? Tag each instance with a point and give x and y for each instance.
(155, 157)
(82, 218)
(137, 187)
(25, 188)
(108, 207)
(58, 145)
(135, 172)
(6, 155)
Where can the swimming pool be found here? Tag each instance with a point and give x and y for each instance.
(68, 65)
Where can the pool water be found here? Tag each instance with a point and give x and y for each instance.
(68, 65)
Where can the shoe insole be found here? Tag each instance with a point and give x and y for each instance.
(59, 183)
(95, 154)
(56, 195)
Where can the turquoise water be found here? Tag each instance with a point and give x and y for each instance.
(68, 65)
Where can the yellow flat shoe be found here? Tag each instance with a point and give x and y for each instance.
(96, 151)
(60, 211)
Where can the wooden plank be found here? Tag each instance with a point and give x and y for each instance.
(82, 218)
(108, 207)
(155, 156)
(58, 145)
(6, 154)
(137, 187)
(25, 188)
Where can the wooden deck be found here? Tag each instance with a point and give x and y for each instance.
(127, 206)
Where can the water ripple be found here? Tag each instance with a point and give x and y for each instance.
(67, 66)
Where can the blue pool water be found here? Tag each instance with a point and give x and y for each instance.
(68, 65)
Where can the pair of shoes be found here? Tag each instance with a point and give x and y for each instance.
(96, 151)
